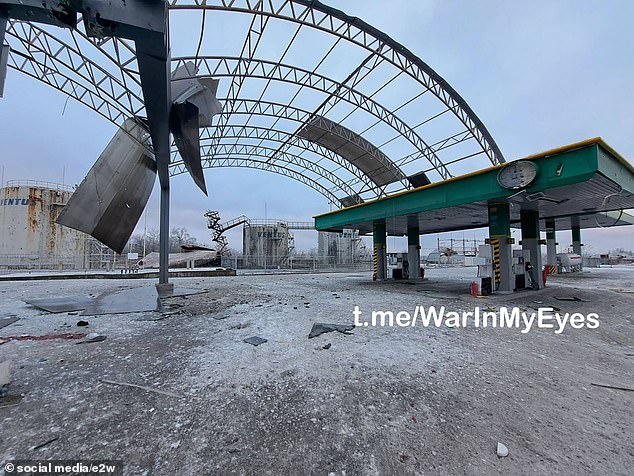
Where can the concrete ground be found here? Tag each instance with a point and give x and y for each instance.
(379, 401)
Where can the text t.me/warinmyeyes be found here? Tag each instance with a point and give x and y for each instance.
(504, 317)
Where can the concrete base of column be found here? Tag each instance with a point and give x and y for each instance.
(413, 258)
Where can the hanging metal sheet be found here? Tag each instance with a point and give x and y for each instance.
(194, 105)
(185, 125)
(110, 200)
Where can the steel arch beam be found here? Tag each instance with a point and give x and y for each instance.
(225, 66)
(69, 86)
(315, 14)
(249, 162)
(63, 58)
(277, 110)
(288, 158)
(238, 132)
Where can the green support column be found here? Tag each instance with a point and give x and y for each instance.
(499, 235)
(380, 250)
(531, 243)
(413, 250)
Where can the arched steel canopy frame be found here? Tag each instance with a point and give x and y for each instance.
(225, 66)
(329, 20)
(103, 74)
(317, 15)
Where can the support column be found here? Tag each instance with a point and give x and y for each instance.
(499, 235)
(576, 237)
(154, 61)
(531, 242)
(380, 250)
(164, 236)
(551, 244)
(413, 251)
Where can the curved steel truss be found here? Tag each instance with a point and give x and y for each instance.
(289, 62)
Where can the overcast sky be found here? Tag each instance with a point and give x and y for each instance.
(539, 74)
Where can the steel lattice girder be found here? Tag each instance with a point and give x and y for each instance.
(52, 61)
(322, 17)
(249, 162)
(218, 67)
(286, 157)
(100, 91)
(277, 110)
(237, 132)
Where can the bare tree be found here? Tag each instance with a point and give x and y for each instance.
(178, 237)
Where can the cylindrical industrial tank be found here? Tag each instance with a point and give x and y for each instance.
(266, 246)
(30, 237)
(339, 248)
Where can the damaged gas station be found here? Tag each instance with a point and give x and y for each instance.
(579, 186)
(366, 354)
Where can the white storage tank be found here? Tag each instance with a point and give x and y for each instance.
(29, 236)
(266, 246)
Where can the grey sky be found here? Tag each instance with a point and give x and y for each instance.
(539, 74)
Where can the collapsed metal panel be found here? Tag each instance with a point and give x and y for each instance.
(354, 148)
(110, 200)
(184, 126)
(194, 105)
(351, 200)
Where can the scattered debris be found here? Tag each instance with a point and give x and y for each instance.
(627, 389)
(60, 304)
(124, 301)
(573, 299)
(320, 328)
(42, 445)
(5, 377)
(10, 400)
(67, 335)
(92, 337)
(4, 322)
(255, 340)
(327, 346)
(137, 299)
(82, 323)
(141, 387)
(502, 450)
(240, 325)
(554, 308)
